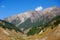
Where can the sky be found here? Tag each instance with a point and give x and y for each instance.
(13, 7)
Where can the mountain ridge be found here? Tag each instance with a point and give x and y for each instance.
(30, 19)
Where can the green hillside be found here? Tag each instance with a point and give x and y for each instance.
(7, 25)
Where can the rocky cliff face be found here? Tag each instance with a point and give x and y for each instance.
(30, 19)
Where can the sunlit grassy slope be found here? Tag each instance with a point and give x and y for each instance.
(49, 34)
(6, 34)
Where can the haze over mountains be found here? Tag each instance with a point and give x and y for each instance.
(34, 18)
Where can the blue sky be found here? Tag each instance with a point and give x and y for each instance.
(12, 7)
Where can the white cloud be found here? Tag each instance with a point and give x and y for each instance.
(39, 8)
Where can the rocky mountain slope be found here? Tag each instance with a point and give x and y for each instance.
(30, 19)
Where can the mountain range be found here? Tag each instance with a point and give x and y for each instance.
(25, 21)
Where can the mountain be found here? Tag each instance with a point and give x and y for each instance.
(27, 20)
(7, 25)
(8, 33)
(51, 32)
(52, 24)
